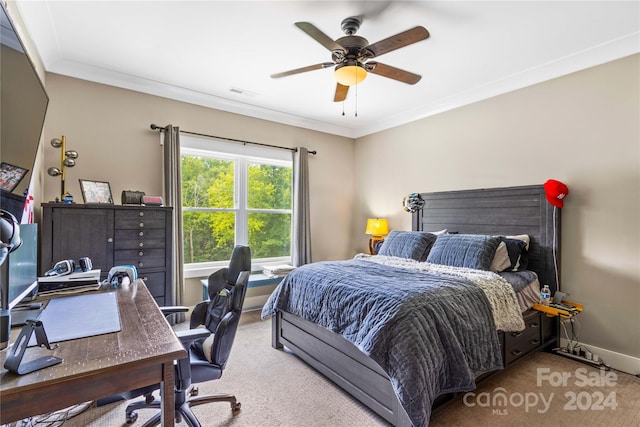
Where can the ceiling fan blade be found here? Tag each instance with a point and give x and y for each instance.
(319, 36)
(392, 43)
(341, 93)
(303, 70)
(392, 73)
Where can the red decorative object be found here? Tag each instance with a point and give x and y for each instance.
(556, 191)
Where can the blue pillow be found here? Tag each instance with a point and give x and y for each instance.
(464, 250)
(408, 244)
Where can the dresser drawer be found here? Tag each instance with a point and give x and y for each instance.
(140, 239)
(519, 343)
(140, 258)
(155, 282)
(139, 219)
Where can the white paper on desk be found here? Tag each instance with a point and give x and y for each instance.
(80, 316)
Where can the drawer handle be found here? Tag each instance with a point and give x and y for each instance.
(516, 334)
(141, 234)
(516, 352)
(141, 213)
(141, 225)
(535, 342)
(141, 253)
(141, 244)
(110, 240)
(533, 325)
(140, 264)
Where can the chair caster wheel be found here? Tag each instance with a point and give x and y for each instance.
(132, 417)
(194, 392)
(235, 407)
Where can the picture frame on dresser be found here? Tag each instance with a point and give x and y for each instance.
(96, 192)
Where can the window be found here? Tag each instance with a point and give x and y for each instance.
(234, 194)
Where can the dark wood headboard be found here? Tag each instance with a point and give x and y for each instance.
(500, 211)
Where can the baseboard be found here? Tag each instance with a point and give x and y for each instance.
(615, 360)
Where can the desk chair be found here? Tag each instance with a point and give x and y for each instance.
(208, 347)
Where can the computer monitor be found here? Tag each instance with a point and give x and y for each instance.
(18, 278)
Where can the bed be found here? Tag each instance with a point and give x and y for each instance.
(403, 356)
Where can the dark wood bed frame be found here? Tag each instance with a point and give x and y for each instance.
(498, 211)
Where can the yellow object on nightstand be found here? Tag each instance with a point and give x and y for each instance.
(553, 311)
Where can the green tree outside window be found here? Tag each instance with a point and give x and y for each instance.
(211, 213)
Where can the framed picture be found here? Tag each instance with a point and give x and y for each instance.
(10, 176)
(96, 192)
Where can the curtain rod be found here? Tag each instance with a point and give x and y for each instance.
(162, 129)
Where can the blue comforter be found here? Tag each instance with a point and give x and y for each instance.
(431, 333)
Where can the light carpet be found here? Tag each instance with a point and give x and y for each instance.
(278, 389)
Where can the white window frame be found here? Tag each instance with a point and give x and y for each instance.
(241, 155)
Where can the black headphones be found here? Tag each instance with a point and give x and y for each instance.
(68, 266)
(9, 234)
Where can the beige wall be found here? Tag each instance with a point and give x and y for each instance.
(109, 127)
(582, 129)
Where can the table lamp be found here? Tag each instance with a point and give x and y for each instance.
(376, 227)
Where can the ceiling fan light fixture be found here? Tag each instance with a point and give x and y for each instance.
(350, 75)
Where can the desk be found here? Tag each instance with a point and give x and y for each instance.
(141, 354)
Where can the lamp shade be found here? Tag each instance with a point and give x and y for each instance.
(377, 227)
(350, 75)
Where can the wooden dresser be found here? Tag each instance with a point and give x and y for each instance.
(112, 235)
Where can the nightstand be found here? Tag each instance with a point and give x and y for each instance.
(557, 312)
(568, 316)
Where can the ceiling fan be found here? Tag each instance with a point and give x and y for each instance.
(351, 55)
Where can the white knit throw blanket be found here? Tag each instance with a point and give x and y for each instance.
(504, 304)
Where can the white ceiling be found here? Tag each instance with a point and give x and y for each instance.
(205, 52)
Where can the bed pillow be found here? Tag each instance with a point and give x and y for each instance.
(408, 244)
(443, 231)
(511, 255)
(501, 261)
(518, 254)
(464, 250)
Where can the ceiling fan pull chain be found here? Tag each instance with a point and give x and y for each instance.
(356, 100)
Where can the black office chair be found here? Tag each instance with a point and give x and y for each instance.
(208, 347)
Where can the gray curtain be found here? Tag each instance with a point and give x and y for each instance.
(300, 224)
(173, 197)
